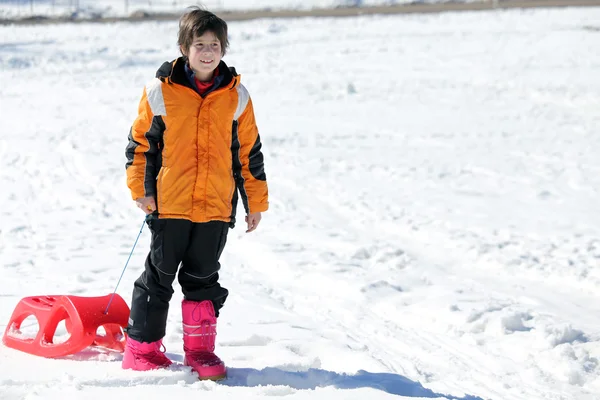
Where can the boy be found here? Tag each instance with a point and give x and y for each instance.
(192, 145)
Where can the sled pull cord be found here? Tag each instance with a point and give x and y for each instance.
(119, 281)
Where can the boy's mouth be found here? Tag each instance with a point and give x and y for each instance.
(206, 61)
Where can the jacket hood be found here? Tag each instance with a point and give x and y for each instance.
(165, 69)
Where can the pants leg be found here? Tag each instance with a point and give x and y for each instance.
(199, 273)
(153, 289)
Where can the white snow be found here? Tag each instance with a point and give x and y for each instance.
(434, 228)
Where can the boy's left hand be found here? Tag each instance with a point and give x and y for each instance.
(253, 219)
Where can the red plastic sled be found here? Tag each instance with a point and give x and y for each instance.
(83, 317)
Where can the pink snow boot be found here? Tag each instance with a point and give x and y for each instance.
(144, 356)
(199, 333)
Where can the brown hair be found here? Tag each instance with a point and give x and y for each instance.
(195, 22)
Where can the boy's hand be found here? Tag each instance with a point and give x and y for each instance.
(253, 219)
(147, 204)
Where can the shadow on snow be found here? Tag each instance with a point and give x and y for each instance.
(299, 380)
(313, 378)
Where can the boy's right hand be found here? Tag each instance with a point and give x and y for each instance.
(147, 204)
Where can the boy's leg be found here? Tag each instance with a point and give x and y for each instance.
(153, 289)
(199, 274)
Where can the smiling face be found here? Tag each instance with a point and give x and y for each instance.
(204, 55)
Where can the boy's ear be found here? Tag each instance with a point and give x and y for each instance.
(183, 50)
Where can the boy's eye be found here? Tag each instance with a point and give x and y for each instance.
(202, 44)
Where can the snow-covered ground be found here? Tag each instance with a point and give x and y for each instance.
(434, 229)
(112, 8)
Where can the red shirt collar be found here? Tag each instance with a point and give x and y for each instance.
(204, 86)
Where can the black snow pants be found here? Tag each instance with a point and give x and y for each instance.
(197, 246)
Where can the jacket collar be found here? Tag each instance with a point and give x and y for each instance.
(175, 72)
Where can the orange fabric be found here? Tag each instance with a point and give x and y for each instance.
(196, 179)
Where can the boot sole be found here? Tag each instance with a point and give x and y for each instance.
(213, 378)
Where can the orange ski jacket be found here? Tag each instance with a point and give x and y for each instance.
(191, 152)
